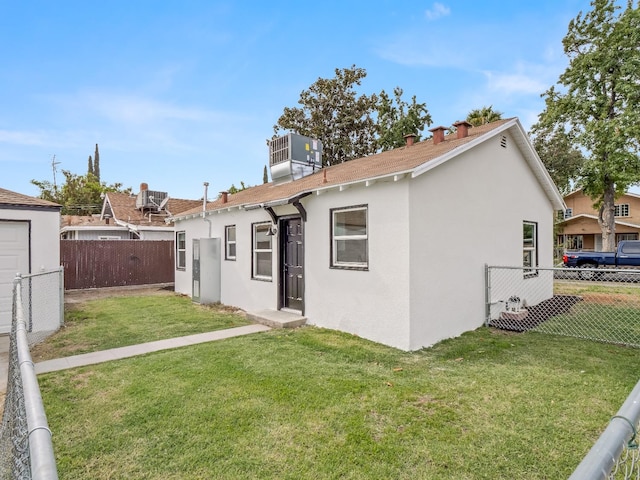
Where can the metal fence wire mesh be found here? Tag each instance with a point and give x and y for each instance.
(594, 304)
(25, 441)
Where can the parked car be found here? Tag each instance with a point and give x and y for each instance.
(626, 255)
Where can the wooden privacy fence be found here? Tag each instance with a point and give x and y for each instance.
(114, 263)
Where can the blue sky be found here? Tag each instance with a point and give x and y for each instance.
(177, 93)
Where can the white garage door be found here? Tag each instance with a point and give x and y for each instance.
(14, 258)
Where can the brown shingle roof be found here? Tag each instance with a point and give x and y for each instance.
(123, 207)
(82, 221)
(396, 161)
(9, 198)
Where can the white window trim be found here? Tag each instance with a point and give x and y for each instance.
(178, 250)
(255, 251)
(228, 242)
(532, 270)
(621, 210)
(335, 238)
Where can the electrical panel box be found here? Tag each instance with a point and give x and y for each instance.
(206, 268)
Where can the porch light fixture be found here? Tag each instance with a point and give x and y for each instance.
(272, 231)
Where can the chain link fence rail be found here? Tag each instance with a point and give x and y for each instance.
(26, 450)
(589, 303)
(615, 454)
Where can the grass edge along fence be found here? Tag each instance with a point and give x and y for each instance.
(615, 454)
(25, 437)
(593, 304)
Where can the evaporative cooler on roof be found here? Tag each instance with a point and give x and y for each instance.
(293, 156)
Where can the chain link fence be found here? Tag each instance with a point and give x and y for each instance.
(26, 451)
(589, 303)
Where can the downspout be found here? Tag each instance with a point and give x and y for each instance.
(204, 207)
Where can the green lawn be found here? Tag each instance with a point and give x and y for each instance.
(606, 312)
(318, 404)
(120, 321)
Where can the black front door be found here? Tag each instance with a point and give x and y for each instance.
(292, 285)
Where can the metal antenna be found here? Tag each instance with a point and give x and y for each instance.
(53, 167)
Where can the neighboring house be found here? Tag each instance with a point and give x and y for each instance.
(28, 243)
(390, 247)
(578, 227)
(92, 227)
(128, 217)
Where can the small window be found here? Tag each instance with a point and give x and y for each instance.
(620, 237)
(349, 238)
(621, 210)
(181, 251)
(230, 242)
(262, 252)
(529, 247)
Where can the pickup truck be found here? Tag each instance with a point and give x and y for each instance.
(627, 255)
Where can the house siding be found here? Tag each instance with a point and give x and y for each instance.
(237, 286)
(459, 223)
(372, 303)
(45, 227)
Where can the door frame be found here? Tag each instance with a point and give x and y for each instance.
(282, 245)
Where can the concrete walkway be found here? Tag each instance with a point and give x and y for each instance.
(143, 348)
(118, 353)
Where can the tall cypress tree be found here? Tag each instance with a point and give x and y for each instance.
(265, 175)
(96, 164)
(90, 167)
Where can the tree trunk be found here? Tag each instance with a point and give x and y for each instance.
(606, 218)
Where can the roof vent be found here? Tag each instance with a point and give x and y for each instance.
(294, 156)
(151, 200)
(503, 141)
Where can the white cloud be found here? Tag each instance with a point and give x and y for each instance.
(436, 11)
(22, 138)
(522, 79)
(514, 83)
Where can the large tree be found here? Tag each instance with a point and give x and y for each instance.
(79, 195)
(333, 112)
(96, 163)
(397, 118)
(480, 116)
(561, 157)
(596, 104)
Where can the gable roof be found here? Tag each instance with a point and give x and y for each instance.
(122, 207)
(9, 199)
(579, 191)
(397, 163)
(589, 216)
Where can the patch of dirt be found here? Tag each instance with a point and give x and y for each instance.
(80, 296)
(618, 299)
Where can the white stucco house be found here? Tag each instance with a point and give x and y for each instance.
(390, 247)
(29, 243)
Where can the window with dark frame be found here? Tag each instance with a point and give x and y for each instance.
(262, 252)
(230, 242)
(529, 247)
(181, 251)
(349, 238)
